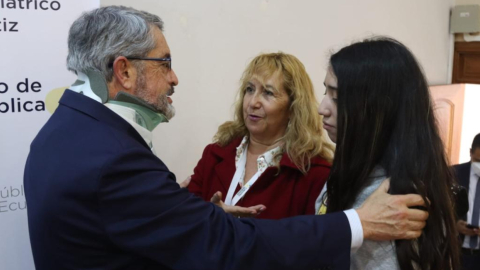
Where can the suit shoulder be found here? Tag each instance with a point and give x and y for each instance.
(462, 166)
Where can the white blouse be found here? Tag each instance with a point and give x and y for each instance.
(271, 158)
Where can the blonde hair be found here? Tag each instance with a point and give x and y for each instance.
(303, 137)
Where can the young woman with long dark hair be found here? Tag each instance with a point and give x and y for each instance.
(378, 110)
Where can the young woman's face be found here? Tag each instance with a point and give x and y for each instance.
(328, 107)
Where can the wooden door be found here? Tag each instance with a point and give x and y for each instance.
(466, 63)
(448, 105)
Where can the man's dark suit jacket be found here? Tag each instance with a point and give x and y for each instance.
(462, 172)
(99, 199)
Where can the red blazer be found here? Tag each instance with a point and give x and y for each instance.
(289, 193)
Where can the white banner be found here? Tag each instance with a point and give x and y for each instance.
(33, 51)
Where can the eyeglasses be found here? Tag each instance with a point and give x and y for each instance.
(168, 60)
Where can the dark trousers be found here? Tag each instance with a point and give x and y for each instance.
(470, 260)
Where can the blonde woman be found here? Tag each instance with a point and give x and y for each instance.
(271, 161)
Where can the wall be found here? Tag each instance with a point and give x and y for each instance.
(213, 40)
(467, 2)
(471, 126)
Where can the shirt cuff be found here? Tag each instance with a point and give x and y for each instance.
(356, 227)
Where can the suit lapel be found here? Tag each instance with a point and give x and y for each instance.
(464, 175)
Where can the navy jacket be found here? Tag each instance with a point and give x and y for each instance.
(99, 199)
(462, 173)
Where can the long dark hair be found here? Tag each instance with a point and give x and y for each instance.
(385, 117)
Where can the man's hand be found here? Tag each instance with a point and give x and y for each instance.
(462, 228)
(237, 211)
(185, 182)
(388, 217)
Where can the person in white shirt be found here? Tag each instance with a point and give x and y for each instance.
(468, 175)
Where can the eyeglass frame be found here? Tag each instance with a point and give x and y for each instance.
(166, 59)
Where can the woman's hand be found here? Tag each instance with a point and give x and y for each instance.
(237, 211)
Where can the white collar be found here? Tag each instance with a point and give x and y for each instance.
(270, 158)
(83, 86)
(130, 115)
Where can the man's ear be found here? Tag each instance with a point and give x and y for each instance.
(124, 73)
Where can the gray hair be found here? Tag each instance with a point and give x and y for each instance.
(98, 37)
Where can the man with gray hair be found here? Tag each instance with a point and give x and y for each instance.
(99, 198)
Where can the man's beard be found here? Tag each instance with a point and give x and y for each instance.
(161, 105)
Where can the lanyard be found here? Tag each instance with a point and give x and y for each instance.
(239, 176)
